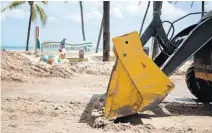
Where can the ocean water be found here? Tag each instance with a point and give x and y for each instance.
(23, 48)
(16, 48)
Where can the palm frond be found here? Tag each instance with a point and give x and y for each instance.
(175, 2)
(192, 3)
(34, 14)
(172, 2)
(13, 5)
(44, 2)
(42, 14)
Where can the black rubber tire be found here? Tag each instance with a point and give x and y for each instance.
(200, 88)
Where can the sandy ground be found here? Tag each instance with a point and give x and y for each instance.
(59, 105)
(58, 98)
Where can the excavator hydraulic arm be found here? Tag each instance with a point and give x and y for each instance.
(136, 83)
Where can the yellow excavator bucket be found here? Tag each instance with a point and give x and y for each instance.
(136, 82)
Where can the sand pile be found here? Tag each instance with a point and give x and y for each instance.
(16, 66)
(93, 115)
(134, 123)
(97, 68)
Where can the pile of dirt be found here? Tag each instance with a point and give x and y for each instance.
(134, 123)
(94, 115)
(40, 107)
(21, 67)
(17, 66)
(97, 68)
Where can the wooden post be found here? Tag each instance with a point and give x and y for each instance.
(81, 54)
(106, 31)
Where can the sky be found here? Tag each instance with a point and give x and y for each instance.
(64, 20)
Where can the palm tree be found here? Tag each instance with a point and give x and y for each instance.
(82, 20)
(34, 9)
(100, 34)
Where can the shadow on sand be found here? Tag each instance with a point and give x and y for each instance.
(86, 115)
(166, 109)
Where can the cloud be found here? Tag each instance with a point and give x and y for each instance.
(116, 11)
(93, 15)
(53, 19)
(97, 4)
(171, 12)
(132, 9)
(4, 4)
(135, 9)
(208, 5)
(96, 14)
(88, 16)
(2, 17)
(133, 14)
(74, 17)
(15, 14)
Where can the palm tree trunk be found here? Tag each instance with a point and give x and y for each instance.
(29, 28)
(82, 21)
(106, 31)
(99, 37)
(142, 24)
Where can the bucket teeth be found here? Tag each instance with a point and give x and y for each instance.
(136, 83)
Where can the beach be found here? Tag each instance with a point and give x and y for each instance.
(40, 97)
(83, 67)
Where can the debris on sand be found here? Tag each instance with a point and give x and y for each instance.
(98, 121)
(43, 108)
(94, 68)
(17, 67)
(21, 67)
